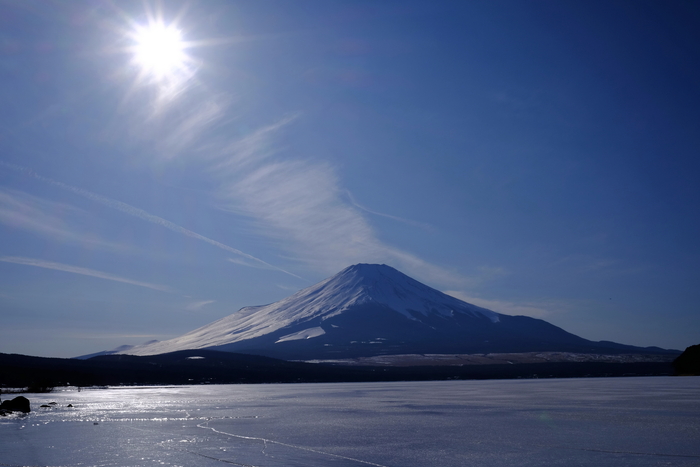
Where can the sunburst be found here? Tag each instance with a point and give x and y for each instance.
(159, 53)
(159, 50)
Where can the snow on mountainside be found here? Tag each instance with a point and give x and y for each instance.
(361, 284)
(368, 310)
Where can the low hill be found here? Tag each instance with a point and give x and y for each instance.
(688, 363)
(212, 367)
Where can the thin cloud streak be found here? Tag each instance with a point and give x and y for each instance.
(188, 129)
(196, 306)
(247, 263)
(82, 271)
(388, 216)
(141, 214)
(114, 336)
(296, 204)
(27, 212)
(251, 149)
(534, 310)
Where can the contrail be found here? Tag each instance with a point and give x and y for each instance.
(78, 270)
(141, 214)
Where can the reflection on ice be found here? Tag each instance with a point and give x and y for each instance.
(624, 421)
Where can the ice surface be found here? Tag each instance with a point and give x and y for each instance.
(581, 422)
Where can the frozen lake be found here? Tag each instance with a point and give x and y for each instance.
(569, 422)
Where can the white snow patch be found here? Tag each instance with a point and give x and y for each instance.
(305, 334)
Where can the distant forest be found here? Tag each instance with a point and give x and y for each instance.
(211, 367)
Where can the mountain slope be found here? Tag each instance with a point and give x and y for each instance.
(367, 310)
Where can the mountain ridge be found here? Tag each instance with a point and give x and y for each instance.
(369, 309)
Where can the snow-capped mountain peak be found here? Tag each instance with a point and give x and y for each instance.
(360, 284)
(384, 285)
(372, 309)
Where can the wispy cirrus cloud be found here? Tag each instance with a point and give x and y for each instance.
(196, 306)
(528, 308)
(82, 271)
(301, 206)
(298, 203)
(586, 263)
(250, 264)
(251, 149)
(49, 218)
(100, 336)
(141, 214)
(410, 222)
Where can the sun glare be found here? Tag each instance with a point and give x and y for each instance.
(159, 50)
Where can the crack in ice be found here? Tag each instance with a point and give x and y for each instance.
(265, 441)
(215, 458)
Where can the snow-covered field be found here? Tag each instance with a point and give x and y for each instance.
(576, 422)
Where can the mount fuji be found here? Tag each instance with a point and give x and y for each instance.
(368, 310)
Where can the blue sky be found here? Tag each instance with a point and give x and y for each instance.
(536, 158)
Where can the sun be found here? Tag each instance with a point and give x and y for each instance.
(159, 50)
(160, 58)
